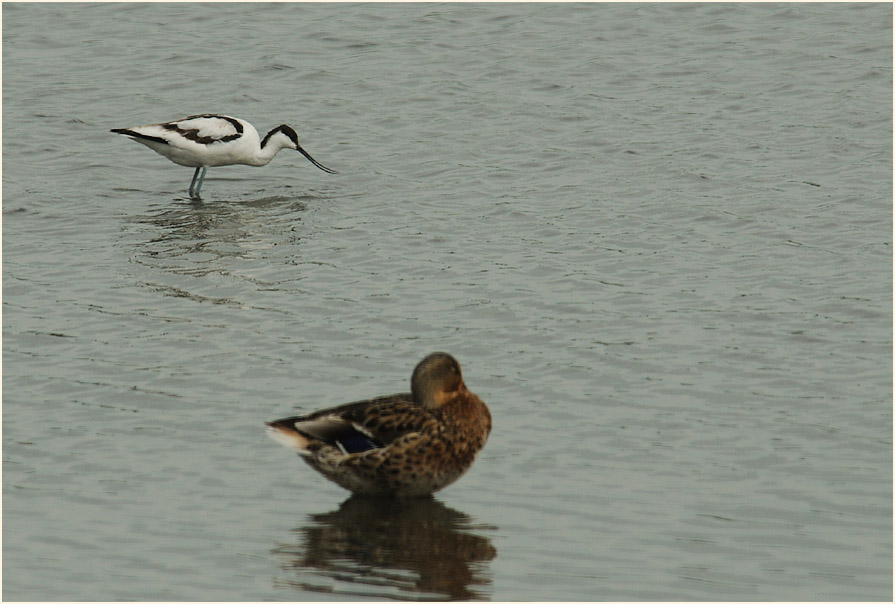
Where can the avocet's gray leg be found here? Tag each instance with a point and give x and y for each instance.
(196, 183)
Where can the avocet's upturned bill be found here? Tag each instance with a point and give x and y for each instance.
(202, 141)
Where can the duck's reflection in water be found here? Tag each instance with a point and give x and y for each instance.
(400, 549)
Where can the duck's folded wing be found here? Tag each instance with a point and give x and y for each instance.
(354, 427)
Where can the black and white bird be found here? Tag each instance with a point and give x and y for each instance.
(201, 141)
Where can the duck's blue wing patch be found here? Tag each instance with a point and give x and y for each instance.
(356, 443)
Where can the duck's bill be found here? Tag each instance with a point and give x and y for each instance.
(315, 162)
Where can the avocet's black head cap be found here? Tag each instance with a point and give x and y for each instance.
(293, 136)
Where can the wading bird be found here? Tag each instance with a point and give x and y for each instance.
(201, 141)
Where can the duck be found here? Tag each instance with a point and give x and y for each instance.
(401, 445)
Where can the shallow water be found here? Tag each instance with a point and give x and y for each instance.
(657, 237)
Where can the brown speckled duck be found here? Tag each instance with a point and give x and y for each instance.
(402, 445)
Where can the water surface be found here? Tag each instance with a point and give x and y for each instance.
(657, 237)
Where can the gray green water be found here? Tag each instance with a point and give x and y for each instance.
(657, 237)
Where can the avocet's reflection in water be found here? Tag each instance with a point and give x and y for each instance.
(413, 549)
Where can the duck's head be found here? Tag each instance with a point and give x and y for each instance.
(436, 380)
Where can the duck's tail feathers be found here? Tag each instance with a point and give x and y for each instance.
(284, 432)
